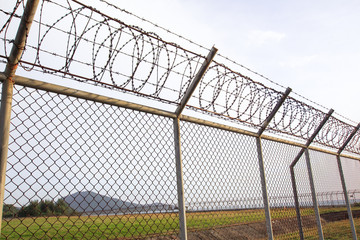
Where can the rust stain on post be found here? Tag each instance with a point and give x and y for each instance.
(7, 90)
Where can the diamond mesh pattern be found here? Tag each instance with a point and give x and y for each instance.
(88, 170)
(326, 173)
(328, 188)
(79, 169)
(221, 178)
(305, 199)
(113, 167)
(277, 159)
(351, 169)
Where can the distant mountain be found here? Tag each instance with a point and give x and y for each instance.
(90, 202)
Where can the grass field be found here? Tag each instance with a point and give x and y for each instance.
(117, 226)
(334, 230)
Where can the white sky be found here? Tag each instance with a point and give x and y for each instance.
(311, 46)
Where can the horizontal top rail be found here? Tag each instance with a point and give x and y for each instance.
(27, 82)
(106, 52)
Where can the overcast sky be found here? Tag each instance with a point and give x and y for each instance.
(311, 46)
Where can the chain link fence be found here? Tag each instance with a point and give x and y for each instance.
(82, 169)
(114, 166)
(111, 169)
(221, 178)
(327, 180)
(308, 217)
(278, 157)
(351, 169)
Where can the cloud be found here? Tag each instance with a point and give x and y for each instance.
(299, 61)
(262, 37)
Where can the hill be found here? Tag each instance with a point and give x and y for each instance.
(91, 202)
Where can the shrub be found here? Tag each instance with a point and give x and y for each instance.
(9, 210)
(46, 208)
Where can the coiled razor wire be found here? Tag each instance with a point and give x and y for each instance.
(95, 48)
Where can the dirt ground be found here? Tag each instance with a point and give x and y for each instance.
(258, 230)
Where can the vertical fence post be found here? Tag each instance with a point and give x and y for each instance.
(348, 205)
(297, 204)
(179, 170)
(264, 189)
(269, 229)
(343, 183)
(313, 194)
(292, 166)
(179, 180)
(7, 91)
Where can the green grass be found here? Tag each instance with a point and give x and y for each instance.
(93, 227)
(334, 230)
(111, 227)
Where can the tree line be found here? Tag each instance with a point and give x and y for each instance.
(39, 208)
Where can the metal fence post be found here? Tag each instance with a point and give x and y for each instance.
(179, 170)
(292, 165)
(297, 204)
(7, 90)
(343, 183)
(313, 194)
(348, 205)
(261, 163)
(264, 189)
(179, 180)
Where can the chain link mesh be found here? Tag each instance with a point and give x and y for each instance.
(351, 169)
(105, 51)
(86, 170)
(221, 180)
(305, 199)
(277, 159)
(80, 169)
(111, 169)
(330, 195)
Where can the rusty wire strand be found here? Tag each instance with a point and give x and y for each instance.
(219, 54)
(154, 24)
(72, 148)
(153, 61)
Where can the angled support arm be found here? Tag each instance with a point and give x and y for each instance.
(293, 180)
(177, 141)
(261, 163)
(274, 111)
(196, 81)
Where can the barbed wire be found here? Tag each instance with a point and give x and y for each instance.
(154, 24)
(3, 60)
(345, 118)
(271, 81)
(219, 54)
(96, 44)
(107, 52)
(11, 15)
(83, 79)
(136, 28)
(5, 27)
(231, 94)
(334, 133)
(354, 145)
(146, 52)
